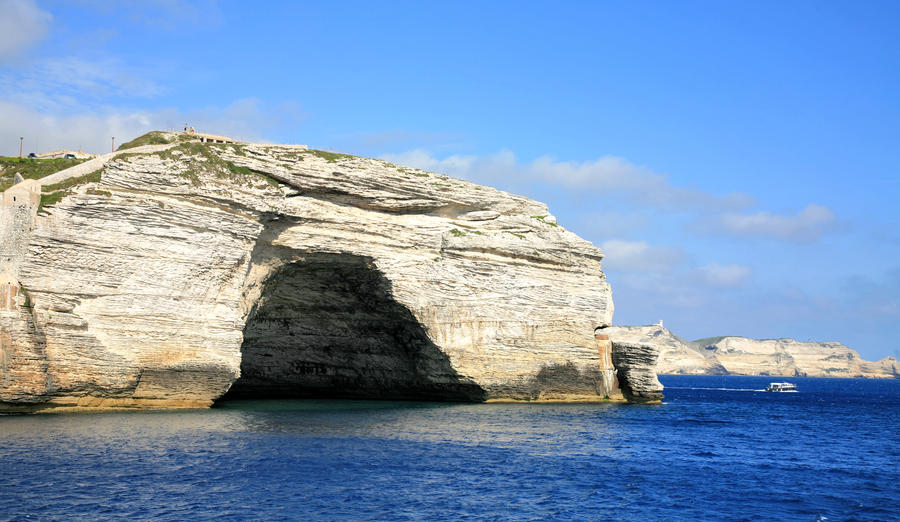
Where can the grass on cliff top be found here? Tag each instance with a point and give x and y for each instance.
(52, 194)
(31, 168)
(151, 138)
(93, 177)
(205, 158)
(330, 157)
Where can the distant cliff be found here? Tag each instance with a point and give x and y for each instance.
(743, 356)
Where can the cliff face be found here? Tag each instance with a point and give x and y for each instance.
(743, 356)
(188, 271)
(675, 354)
(636, 363)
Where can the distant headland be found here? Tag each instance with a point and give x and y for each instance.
(730, 355)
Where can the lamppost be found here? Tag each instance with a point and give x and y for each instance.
(21, 138)
(113, 144)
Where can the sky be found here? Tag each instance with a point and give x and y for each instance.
(738, 162)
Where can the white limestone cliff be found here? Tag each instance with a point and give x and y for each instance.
(188, 271)
(744, 356)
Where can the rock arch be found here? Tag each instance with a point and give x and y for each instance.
(326, 325)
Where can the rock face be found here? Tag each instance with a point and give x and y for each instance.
(743, 356)
(788, 357)
(636, 363)
(675, 354)
(273, 270)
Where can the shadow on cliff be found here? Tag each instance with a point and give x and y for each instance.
(327, 326)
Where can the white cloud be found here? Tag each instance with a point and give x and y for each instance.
(807, 225)
(22, 23)
(73, 84)
(614, 177)
(245, 119)
(639, 256)
(724, 276)
(456, 165)
(606, 175)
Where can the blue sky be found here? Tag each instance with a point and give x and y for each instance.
(739, 162)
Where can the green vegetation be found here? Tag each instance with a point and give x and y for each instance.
(542, 218)
(204, 157)
(52, 194)
(93, 177)
(331, 157)
(53, 198)
(236, 147)
(245, 173)
(28, 303)
(151, 138)
(421, 174)
(235, 169)
(480, 233)
(31, 168)
(457, 232)
(520, 236)
(98, 192)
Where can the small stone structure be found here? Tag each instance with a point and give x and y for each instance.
(212, 138)
(18, 208)
(24, 192)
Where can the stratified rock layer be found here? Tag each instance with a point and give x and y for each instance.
(787, 357)
(636, 365)
(283, 271)
(743, 356)
(675, 354)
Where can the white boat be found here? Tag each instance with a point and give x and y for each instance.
(781, 387)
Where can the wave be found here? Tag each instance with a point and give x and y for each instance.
(716, 389)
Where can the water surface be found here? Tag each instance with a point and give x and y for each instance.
(716, 449)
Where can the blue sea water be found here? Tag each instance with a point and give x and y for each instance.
(717, 449)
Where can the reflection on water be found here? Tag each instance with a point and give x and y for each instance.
(829, 451)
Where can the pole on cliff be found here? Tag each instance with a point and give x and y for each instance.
(113, 144)
(21, 138)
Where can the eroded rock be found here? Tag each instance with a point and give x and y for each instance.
(278, 270)
(636, 365)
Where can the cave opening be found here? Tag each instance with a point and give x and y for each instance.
(327, 326)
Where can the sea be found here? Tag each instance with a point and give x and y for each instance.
(718, 448)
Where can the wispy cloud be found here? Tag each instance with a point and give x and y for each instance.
(616, 177)
(72, 84)
(806, 225)
(724, 276)
(607, 174)
(245, 119)
(639, 256)
(22, 23)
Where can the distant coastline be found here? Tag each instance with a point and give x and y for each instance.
(733, 355)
